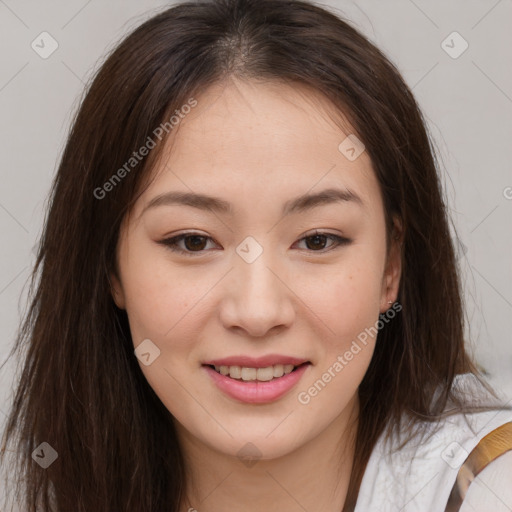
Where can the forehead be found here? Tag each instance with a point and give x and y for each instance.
(261, 140)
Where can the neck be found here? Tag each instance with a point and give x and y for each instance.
(313, 477)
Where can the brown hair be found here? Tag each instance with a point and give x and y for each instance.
(81, 389)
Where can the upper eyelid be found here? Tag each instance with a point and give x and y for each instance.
(313, 232)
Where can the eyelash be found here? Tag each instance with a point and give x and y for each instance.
(172, 243)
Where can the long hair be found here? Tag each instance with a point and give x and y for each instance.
(81, 389)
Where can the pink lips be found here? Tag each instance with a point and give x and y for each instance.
(255, 392)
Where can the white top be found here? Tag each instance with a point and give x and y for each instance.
(420, 476)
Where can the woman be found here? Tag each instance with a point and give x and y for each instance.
(248, 295)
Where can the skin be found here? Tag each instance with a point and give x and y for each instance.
(258, 145)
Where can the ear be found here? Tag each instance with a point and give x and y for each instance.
(393, 269)
(117, 291)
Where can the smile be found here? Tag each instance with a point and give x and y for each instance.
(261, 374)
(256, 385)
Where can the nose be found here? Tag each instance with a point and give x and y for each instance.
(257, 298)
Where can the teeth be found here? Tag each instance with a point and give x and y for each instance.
(235, 372)
(278, 370)
(261, 374)
(288, 368)
(265, 374)
(248, 373)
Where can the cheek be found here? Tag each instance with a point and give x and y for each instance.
(159, 298)
(347, 299)
(348, 304)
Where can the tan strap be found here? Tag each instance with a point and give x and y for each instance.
(489, 448)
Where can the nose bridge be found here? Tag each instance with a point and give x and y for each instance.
(256, 280)
(259, 300)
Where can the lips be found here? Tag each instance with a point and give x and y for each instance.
(256, 392)
(256, 362)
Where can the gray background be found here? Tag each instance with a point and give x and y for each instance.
(467, 102)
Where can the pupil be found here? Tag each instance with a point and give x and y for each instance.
(194, 245)
(316, 238)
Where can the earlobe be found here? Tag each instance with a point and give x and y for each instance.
(117, 291)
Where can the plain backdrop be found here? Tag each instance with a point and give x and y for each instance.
(466, 96)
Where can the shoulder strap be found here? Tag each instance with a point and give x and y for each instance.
(493, 445)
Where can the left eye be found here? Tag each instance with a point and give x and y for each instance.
(195, 242)
(319, 239)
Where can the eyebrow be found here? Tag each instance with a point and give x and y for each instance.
(299, 204)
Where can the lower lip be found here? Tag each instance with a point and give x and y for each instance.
(256, 392)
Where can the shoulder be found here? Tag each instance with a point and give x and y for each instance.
(485, 476)
(491, 489)
(421, 474)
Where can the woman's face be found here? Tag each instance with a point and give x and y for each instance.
(255, 280)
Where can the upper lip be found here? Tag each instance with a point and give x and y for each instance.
(256, 362)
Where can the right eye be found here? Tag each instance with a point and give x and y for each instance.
(193, 243)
